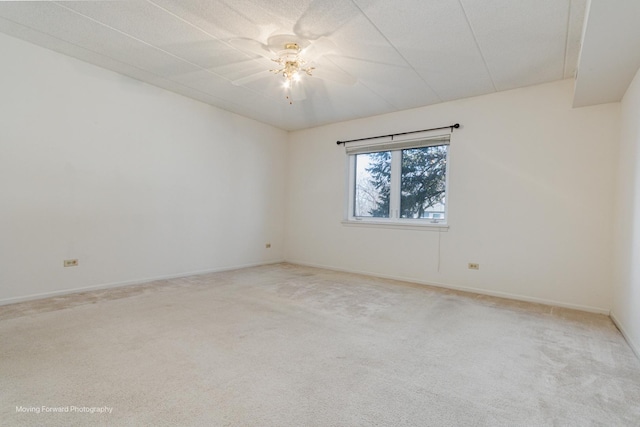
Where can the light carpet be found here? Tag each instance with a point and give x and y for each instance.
(285, 345)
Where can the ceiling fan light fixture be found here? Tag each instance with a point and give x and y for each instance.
(291, 65)
(293, 54)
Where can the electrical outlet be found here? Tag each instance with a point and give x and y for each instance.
(474, 266)
(70, 262)
(268, 245)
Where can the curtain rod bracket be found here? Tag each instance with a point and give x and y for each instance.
(452, 127)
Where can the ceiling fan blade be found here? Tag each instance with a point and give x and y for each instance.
(252, 46)
(232, 69)
(323, 18)
(331, 74)
(252, 78)
(322, 46)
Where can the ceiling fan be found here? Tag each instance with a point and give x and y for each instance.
(296, 58)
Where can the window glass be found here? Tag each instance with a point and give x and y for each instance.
(401, 185)
(423, 182)
(372, 185)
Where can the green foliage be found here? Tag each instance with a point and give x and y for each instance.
(380, 171)
(423, 182)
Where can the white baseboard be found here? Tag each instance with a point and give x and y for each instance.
(385, 276)
(31, 297)
(506, 295)
(632, 344)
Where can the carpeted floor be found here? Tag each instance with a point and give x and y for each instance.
(285, 345)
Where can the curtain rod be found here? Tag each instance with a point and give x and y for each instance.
(452, 127)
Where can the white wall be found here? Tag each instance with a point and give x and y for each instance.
(138, 183)
(134, 181)
(626, 301)
(530, 199)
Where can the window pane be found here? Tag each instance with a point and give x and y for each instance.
(373, 185)
(423, 182)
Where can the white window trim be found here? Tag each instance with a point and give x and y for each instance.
(402, 225)
(396, 170)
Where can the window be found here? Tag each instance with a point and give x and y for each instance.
(402, 182)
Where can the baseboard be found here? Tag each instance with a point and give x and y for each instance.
(328, 267)
(498, 294)
(627, 337)
(32, 297)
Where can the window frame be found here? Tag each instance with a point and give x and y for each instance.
(394, 220)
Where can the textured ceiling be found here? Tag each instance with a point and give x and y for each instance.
(403, 53)
(610, 55)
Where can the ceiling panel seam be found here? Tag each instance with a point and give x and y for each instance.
(202, 30)
(566, 41)
(475, 39)
(159, 77)
(397, 51)
(137, 39)
(385, 100)
(83, 48)
(160, 50)
(425, 51)
(243, 52)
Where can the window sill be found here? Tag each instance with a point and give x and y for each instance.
(422, 226)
